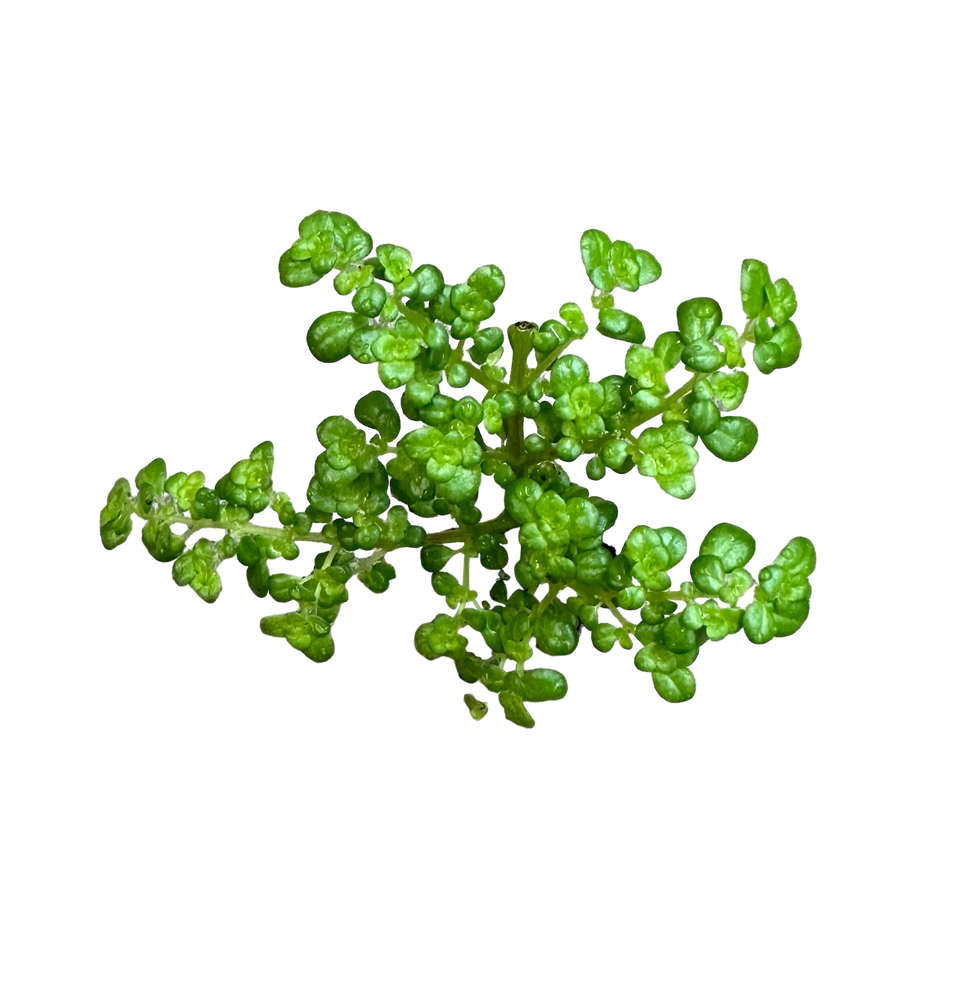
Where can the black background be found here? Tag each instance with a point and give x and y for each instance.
(207, 357)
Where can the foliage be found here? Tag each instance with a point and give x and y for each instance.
(375, 485)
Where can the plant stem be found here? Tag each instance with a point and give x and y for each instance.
(520, 344)
(460, 534)
(240, 529)
(543, 367)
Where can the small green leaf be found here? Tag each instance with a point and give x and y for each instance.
(585, 521)
(671, 677)
(651, 267)
(351, 278)
(439, 637)
(668, 454)
(488, 281)
(436, 559)
(732, 546)
(395, 261)
(759, 622)
(150, 483)
(615, 453)
(544, 684)
(378, 577)
(780, 351)
(718, 621)
(520, 498)
(330, 335)
(116, 519)
(676, 686)
(615, 263)
(728, 338)
(571, 314)
(163, 544)
(557, 630)
(395, 374)
(702, 356)
(726, 389)
(605, 637)
(569, 372)
(782, 598)
(198, 568)
(477, 708)
(514, 709)
(703, 417)
(653, 552)
(733, 439)
(369, 300)
(595, 469)
(708, 574)
(470, 303)
(697, 319)
(306, 633)
(646, 366)
(327, 240)
(782, 300)
(755, 276)
(619, 324)
(376, 410)
(669, 347)
(596, 248)
(531, 537)
(677, 637)
(400, 343)
(183, 488)
(249, 482)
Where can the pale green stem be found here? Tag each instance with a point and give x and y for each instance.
(553, 591)
(631, 627)
(543, 367)
(240, 529)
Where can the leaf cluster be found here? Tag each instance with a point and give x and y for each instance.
(376, 483)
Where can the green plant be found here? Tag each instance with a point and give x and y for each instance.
(422, 333)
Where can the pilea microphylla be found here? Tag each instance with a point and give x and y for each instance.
(427, 336)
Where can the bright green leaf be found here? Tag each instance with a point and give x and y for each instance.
(514, 709)
(395, 261)
(755, 276)
(730, 544)
(782, 300)
(668, 454)
(780, 351)
(697, 319)
(116, 519)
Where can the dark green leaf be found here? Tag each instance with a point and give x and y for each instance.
(733, 439)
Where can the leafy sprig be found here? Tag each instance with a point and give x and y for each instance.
(375, 483)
